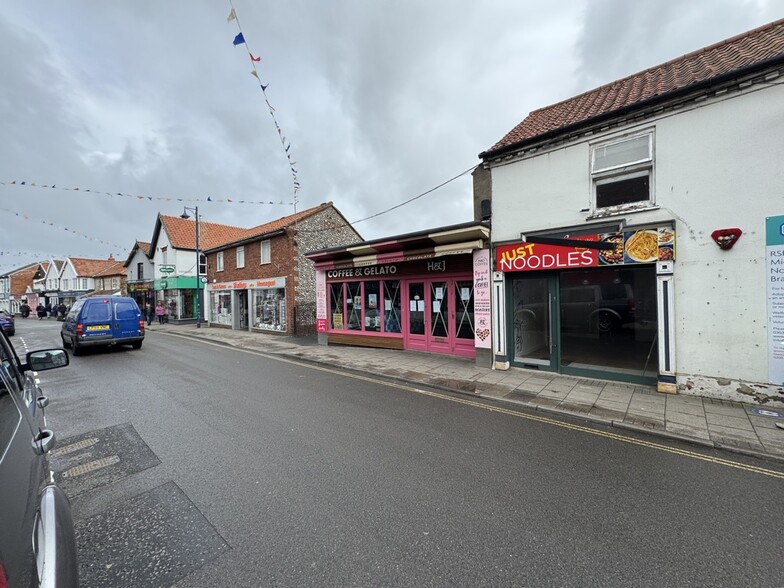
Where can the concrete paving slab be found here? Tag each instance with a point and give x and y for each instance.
(733, 421)
(722, 406)
(698, 421)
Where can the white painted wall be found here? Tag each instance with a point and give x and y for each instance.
(717, 165)
(148, 267)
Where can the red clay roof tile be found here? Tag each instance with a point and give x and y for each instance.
(749, 49)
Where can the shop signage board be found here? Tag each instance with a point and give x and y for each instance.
(166, 269)
(774, 241)
(321, 302)
(631, 248)
(482, 299)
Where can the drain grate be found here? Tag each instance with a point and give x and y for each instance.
(79, 445)
(91, 466)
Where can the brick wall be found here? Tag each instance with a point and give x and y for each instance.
(324, 229)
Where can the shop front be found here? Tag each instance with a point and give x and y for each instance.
(142, 293)
(178, 295)
(435, 300)
(249, 305)
(599, 310)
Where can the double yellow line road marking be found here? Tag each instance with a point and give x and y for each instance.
(514, 413)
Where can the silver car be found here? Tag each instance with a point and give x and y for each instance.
(37, 543)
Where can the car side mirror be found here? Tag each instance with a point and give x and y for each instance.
(47, 359)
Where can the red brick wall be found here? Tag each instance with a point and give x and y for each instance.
(283, 255)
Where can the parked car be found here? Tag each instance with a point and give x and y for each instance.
(103, 321)
(37, 541)
(7, 323)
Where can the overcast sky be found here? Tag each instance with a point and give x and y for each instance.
(379, 100)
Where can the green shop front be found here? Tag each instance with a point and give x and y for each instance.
(178, 295)
(600, 310)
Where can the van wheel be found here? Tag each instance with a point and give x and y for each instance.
(137, 345)
(77, 349)
(66, 343)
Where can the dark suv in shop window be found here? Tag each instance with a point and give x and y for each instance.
(37, 543)
(599, 308)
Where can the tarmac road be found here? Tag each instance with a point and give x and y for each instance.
(195, 464)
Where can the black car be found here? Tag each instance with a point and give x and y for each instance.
(37, 542)
(7, 323)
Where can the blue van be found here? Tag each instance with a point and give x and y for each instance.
(103, 321)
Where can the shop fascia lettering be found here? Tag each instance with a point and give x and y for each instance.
(528, 257)
(358, 272)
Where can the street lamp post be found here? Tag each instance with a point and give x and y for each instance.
(184, 215)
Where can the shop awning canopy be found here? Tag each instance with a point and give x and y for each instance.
(450, 240)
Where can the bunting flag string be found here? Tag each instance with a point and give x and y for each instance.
(26, 184)
(66, 229)
(240, 40)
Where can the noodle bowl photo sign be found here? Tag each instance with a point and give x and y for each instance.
(631, 247)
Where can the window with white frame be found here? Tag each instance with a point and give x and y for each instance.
(65, 283)
(622, 173)
(266, 255)
(164, 255)
(82, 283)
(219, 261)
(115, 283)
(240, 256)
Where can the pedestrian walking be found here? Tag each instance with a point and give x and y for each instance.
(25, 310)
(160, 312)
(149, 313)
(61, 312)
(40, 310)
(48, 309)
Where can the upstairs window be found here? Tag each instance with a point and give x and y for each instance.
(202, 264)
(140, 271)
(240, 257)
(621, 173)
(266, 255)
(219, 261)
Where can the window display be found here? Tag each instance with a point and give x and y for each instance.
(269, 309)
(220, 307)
(371, 306)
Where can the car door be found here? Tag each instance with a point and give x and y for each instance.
(22, 471)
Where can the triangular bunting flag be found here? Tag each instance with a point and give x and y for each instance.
(232, 16)
(239, 39)
(254, 58)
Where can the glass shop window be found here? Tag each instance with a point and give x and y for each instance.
(336, 306)
(269, 309)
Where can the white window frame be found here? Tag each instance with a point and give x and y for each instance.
(626, 170)
(219, 261)
(240, 257)
(265, 258)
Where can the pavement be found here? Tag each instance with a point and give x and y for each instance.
(720, 424)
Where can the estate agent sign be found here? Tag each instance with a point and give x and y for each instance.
(774, 239)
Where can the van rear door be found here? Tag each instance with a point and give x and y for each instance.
(126, 319)
(96, 319)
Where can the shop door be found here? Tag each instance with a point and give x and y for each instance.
(441, 316)
(242, 310)
(532, 326)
